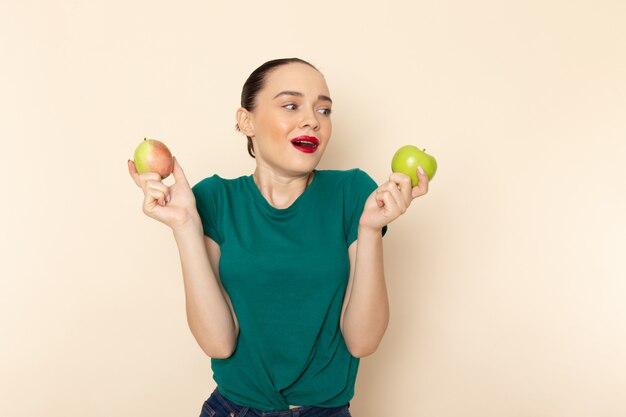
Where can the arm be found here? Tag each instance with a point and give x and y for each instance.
(365, 312)
(210, 315)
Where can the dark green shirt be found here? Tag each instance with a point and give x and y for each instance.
(286, 271)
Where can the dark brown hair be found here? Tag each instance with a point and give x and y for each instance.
(256, 82)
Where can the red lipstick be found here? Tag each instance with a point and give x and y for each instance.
(306, 144)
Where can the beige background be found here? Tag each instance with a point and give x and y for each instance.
(507, 281)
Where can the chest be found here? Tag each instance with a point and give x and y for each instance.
(269, 257)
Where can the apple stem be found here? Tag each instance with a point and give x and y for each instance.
(424, 149)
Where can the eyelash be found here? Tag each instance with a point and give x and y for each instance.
(325, 111)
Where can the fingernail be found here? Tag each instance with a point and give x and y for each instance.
(420, 169)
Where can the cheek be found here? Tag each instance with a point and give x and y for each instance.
(327, 129)
(279, 130)
(272, 124)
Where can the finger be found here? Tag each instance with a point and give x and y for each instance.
(397, 195)
(403, 182)
(379, 199)
(179, 174)
(153, 196)
(140, 179)
(158, 185)
(390, 205)
(148, 177)
(149, 203)
(132, 170)
(422, 185)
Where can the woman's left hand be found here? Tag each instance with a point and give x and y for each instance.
(391, 199)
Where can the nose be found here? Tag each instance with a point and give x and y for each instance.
(310, 119)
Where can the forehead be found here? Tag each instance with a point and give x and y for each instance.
(295, 77)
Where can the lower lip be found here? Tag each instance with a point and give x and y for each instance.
(305, 149)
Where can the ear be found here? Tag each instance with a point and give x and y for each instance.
(244, 121)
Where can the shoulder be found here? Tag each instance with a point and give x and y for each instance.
(349, 177)
(358, 181)
(214, 191)
(215, 183)
(353, 185)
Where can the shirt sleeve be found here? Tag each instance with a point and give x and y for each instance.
(208, 193)
(358, 189)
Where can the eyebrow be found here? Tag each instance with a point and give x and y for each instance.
(299, 94)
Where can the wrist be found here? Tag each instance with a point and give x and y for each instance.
(369, 231)
(191, 226)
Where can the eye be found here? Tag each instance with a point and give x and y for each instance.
(290, 106)
(325, 111)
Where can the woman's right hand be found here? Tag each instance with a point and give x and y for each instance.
(175, 205)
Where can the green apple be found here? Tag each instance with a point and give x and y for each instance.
(408, 158)
(153, 156)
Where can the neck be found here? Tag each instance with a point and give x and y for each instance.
(281, 191)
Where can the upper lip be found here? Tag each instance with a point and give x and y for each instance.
(305, 138)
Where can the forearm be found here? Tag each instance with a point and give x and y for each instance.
(367, 313)
(208, 313)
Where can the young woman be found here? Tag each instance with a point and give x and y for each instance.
(283, 269)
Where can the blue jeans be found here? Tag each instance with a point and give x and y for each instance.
(218, 406)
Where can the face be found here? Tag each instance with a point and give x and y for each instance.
(290, 125)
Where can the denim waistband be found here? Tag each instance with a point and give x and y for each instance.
(300, 411)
